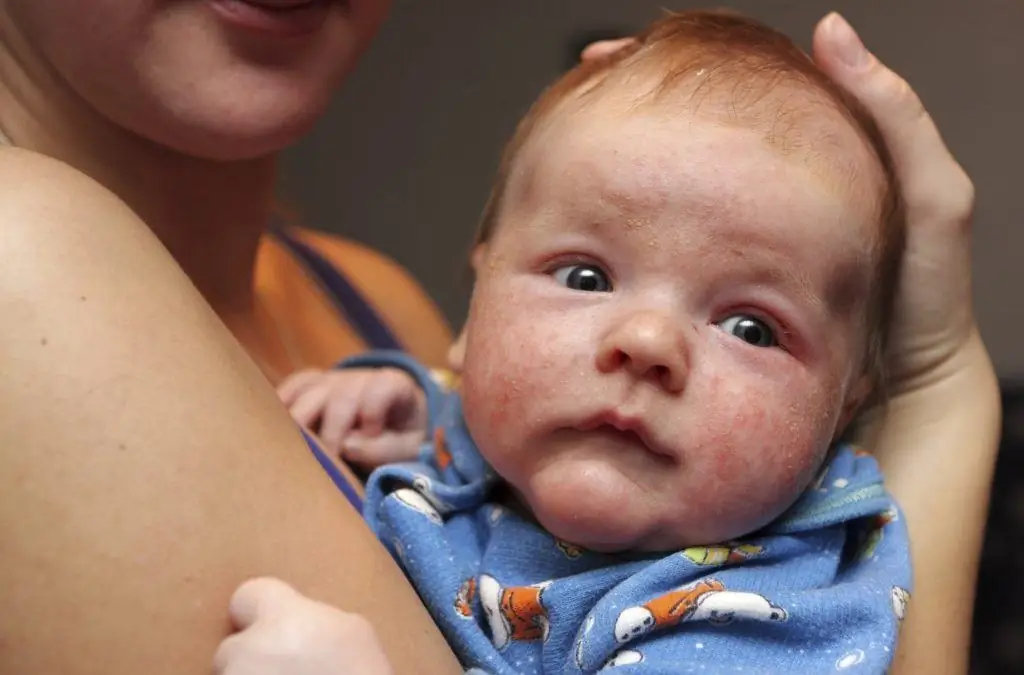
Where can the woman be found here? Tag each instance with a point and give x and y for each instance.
(146, 469)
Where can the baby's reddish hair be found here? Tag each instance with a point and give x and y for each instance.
(761, 72)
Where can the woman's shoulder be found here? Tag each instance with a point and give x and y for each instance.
(48, 206)
(29, 178)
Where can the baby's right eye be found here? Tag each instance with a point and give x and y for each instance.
(583, 277)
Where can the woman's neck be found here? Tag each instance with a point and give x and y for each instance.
(208, 214)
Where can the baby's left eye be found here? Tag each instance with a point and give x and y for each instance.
(749, 329)
(583, 277)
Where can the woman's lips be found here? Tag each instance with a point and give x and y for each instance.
(276, 17)
(280, 4)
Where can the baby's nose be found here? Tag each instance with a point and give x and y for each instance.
(649, 345)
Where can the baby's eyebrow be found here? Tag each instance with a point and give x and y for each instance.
(837, 293)
(789, 277)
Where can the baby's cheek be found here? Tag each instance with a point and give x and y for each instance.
(760, 450)
(511, 369)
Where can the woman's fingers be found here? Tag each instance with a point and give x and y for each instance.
(934, 186)
(602, 48)
(933, 318)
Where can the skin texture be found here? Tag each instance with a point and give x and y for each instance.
(129, 512)
(211, 470)
(126, 64)
(695, 226)
(148, 468)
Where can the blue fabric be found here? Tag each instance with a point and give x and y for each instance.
(820, 590)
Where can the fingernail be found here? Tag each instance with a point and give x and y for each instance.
(849, 48)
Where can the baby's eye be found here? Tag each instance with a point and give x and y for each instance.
(580, 277)
(749, 329)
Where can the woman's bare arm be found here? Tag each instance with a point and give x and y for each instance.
(938, 449)
(938, 444)
(146, 469)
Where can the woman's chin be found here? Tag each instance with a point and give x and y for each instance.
(232, 136)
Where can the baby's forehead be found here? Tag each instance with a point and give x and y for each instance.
(656, 166)
(795, 116)
(789, 115)
(793, 120)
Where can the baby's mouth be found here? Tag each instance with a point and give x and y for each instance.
(631, 431)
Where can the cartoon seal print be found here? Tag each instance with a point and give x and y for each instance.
(722, 608)
(663, 611)
(464, 598)
(422, 484)
(876, 532)
(444, 378)
(415, 500)
(399, 549)
(859, 451)
(570, 551)
(441, 453)
(495, 514)
(588, 626)
(627, 657)
(724, 554)
(705, 600)
(900, 600)
(516, 613)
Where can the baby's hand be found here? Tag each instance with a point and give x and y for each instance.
(369, 416)
(280, 632)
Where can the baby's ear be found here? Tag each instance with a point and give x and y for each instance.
(477, 257)
(858, 394)
(457, 352)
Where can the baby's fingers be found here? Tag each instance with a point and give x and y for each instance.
(387, 448)
(309, 406)
(295, 384)
(339, 417)
(257, 598)
(392, 400)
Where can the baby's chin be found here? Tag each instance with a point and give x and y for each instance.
(599, 524)
(611, 521)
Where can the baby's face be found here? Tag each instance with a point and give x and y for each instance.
(667, 328)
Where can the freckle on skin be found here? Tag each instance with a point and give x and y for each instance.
(44, 342)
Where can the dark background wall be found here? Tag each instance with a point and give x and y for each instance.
(405, 158)
(404, 161)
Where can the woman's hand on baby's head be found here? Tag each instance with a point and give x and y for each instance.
(281, 632)
(368, 416)
(933, 320)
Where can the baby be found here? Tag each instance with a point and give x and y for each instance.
(683, 281)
